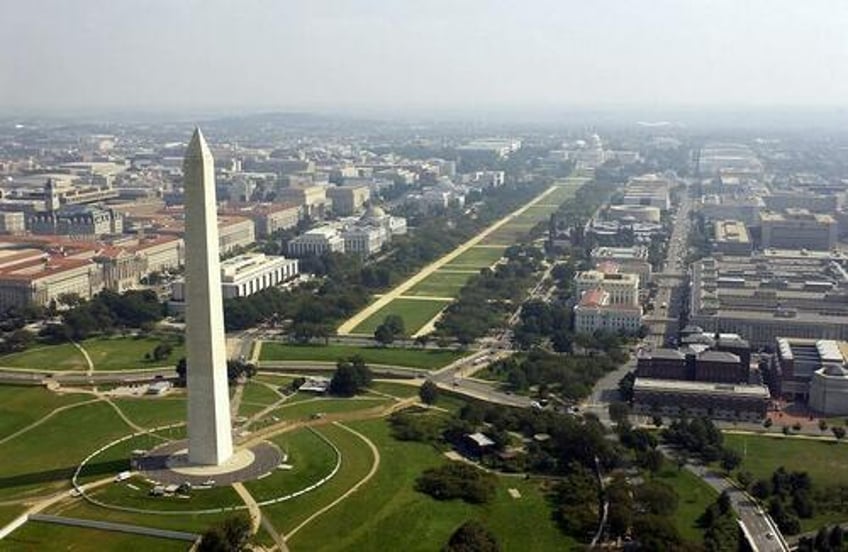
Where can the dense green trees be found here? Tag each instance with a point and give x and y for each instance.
(569, 376)
(351, 376)
(107, 312)
(699, 436)
(428, 392)
(230, 535)
(472, 536)
(457, 480)
(391, 329)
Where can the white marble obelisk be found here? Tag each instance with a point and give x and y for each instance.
(210, 438)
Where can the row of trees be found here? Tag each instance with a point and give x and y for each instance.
(106, 313)
(487, 298)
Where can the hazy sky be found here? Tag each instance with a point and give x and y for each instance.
(439, 54)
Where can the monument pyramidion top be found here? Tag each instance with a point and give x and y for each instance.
(197, 146)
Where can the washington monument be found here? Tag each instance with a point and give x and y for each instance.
(210, 440)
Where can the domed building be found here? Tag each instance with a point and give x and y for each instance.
(829, 390)
(375, 216)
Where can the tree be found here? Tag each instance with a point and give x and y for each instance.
(653, 460)
(162, 351)
(350, 377)
(472, 536)
(428, 392)
(822, 425)
(838, 432)
(391, 328)
(837, 535)
(619, 412)
(182, 369)
(231, 535)
(730, 460)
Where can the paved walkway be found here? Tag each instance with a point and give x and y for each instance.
(252, 506)
(87, 358)
(401, 289)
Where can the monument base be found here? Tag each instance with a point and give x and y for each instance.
(169, 464)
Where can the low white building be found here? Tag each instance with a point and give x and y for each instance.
(247, 274)
(324, 239)
(365, 240)
(594, 312)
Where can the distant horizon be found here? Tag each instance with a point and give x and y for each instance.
(438, 56)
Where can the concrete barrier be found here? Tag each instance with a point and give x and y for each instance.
(116, 527)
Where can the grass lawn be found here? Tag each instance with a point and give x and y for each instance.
(415, 313)
(22, 405)
(695, 497)
(8, 513)
(107, 353)
(356, 462)
(154, 411)
(79, 508)
(47, 357)
(388, 509)
(826, 463)
(43, 459)
(311, 459)
(273, 379)
(395, 389)
(477, 257)
(49, 536)
(305, 409)
(257, 393)
(413, 358)
(120, 494)
(440, 284)
(124, 353)
(116, 459)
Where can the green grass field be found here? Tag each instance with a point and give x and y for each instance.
(413, 358)
(51, 537)
(117, 353)
(695, 497)
(9, 513)
(389, 510)
(121, 494)
(54, 358)
(153, 411)
(79, 508)
(259, 394)
(415, 313)
(399, 390)
(477, 257)
(124, 353)
(305, 409)
(440, 284)
(356, 462)
(311, 459)
(43, 459)
(22, 405)
(826, 463)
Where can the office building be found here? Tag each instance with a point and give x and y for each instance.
(798, 229)
(696, 398)
(731, 237)
(623, 288)
(244, 275)
(632, 260)
(770, 295)
(596, 312)
(348, 200)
